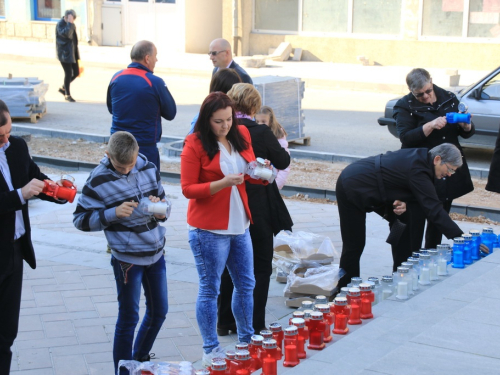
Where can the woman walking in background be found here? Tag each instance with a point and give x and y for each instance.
(67, 51)
(267, 117)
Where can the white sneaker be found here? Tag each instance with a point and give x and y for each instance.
(217, 352)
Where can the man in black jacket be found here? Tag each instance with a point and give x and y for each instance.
(222, 57)
(379, 184)
(20, 179)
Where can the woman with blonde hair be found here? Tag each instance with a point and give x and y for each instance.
(267, 117)
(269, 212)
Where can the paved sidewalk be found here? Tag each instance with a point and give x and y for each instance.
(69, 303)
(327, 75)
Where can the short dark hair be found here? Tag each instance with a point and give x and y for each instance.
(212, 103)
(70, 11)
(122, 147)
(417, 79)
(141, 49)
(3, 110)
(224, 80)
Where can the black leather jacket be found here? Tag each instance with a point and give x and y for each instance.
(67, 42)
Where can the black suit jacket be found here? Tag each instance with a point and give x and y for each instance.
(245, 78)
(22, 170)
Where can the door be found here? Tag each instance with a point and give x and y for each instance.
(111, 25)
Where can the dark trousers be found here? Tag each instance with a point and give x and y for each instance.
(152, 154)
(10, 304)
(433, 236)
(71, 71)
(353, 232)
(262, 258)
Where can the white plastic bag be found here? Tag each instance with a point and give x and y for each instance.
(316, 280)
(304, 247)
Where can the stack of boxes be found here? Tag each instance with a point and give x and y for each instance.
(25, 97)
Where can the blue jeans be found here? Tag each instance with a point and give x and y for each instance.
(129, 278)
(212, 253)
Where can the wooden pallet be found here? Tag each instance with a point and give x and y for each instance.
(306, 141)
(34, 117)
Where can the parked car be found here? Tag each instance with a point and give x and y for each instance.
(483, 100)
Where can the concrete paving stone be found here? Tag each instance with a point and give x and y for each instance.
(43, 310)
(27, 294)
(99, 281)
(58, 288)
(27, 303)
(187, 340)
(70, 364)
(77, 349)
(96, 271)
(182, 273)
(63, 328)
(30, 323)
(176, 319)
(69, 316)
(110, 328)
(177, 332)
(107, 309)
(91, 334)
(101, 368)
(14, 366)
(67, 277)
(191, 353)
(164, 348)
(98, 357)
(69, 267)
(38, 371)
(31, 335)
(41, 273)
(444, 361)
(104, 298)
(482, 310)
(450, 333)
(74, 304)
(89, 292)
(34, 358)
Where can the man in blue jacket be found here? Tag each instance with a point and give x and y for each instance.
(138, 100)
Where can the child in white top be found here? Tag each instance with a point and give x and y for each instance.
(266, 117)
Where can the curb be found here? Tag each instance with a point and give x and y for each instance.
(289, 190)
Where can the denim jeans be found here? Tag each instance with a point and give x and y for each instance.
(129, 278)
(212, 253)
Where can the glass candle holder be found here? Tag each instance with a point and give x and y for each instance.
(442, 259)
(316, 331)
(415, 254)
(377, 290)
(302, 337)
(355, 281)
(271, 349)
(243, 360)
(277, 331)
(487, 238)
(328, 320)
(413, 276)
(267, 334)
(387, 287)
(255, 349)
(291, 347)
(403, 283)
(218, 366)
(354, 300)
(341, 314)
(320, 300)
(424, 278)
(343, 291)
(476, 243)
(433, 264)
(366, 301)
(467, 248)
(307, 305)
(458, 252)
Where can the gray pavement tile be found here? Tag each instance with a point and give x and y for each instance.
(74, 304)
(38, 371)
(482, 310)
(165, 348)
(190, 353)
(89, 292)
(104, 298)
(177, 332)
(30, 323)
(43, 310)
(107, 309)
(33, 358)
(91, 334)
(451, 334)
(98, 357)
(67, 277)
(47, 317)
(27, 303)
(175, 307)
(38, 273)
(31, 335)
(58, 288)
(187, 340)
(101, 368)
(70, 364)
(176, 320)
(76, 349)
(99, 281)
(57, 267)
(63, 328)
(433, 360)
(96, 271)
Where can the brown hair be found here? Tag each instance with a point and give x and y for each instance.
(122, 147)
(274, 125)
(223, 80)
(246, 98)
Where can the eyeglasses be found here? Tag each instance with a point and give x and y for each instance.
(215, 53)
(420, 94)
(450, 171)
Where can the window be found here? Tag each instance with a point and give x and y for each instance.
(165, 1)
(461, 18)
(329, 16)
(2, 8)
(281, 15)
(47, 10)
(491, 89)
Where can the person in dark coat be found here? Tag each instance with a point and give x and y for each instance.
(67, 51)
(377, 183)
(222, 57)
(20, 179)
(494, 174)
(269, 212)
(421, 122)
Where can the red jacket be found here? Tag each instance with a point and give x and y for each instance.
(207, 211)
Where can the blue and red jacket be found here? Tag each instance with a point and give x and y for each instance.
(138, 100)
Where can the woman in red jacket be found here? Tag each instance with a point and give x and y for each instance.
(213, 164)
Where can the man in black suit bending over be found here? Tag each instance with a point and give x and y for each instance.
(222, 57)
(20, 179)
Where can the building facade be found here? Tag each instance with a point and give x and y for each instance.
(431, 33)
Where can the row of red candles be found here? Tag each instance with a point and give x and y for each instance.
(266, 349)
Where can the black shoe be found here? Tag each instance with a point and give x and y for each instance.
(68, 98)
(147, 357)
(224, 330)
(62, 90)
